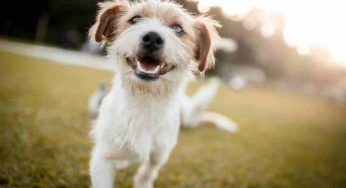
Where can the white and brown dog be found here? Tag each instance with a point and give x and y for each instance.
(158, 48)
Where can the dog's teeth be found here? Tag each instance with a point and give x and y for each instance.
(156, 69)
(140, 67)
(152, 71)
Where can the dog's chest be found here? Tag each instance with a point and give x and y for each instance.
(140, 124)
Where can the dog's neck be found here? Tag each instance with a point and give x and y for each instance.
(133, 91)
(160, 89)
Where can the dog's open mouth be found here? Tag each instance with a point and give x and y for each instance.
(148, 68)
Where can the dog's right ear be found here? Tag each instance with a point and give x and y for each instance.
(104, 28)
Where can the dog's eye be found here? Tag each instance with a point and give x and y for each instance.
(135, 19)
(177, 28)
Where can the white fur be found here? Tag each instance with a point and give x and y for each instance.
(133, 127)
(136, 124)
(139, 120)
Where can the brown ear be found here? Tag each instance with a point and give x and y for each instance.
(105, 27)
(206, 37)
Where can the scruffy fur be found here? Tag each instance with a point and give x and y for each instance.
(139, 120)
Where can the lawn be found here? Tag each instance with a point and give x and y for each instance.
(285, 139)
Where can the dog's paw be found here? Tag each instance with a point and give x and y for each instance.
(228, 125)
(220, 121)
(143, 184)
(143, 181)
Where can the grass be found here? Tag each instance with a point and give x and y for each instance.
(285, 140)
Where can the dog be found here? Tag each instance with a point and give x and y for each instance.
(158, 48)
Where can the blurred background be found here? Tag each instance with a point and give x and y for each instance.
(283, 65)
(290, 44)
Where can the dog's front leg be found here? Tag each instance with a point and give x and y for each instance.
(102, 171)
(149, 169)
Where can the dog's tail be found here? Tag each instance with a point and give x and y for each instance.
(194, 108)
(96, 99)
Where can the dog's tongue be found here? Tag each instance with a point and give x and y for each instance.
(149, 63)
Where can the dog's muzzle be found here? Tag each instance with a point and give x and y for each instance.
(148, 64)
(148, 68)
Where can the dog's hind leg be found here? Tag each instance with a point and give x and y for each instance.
(149, 169)
(218, 120)
(192, 106)
(194, 111)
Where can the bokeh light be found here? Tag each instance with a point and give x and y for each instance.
(307, 23)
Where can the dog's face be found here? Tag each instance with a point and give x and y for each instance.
(155, 41)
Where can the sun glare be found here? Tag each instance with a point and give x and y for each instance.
(308, 23)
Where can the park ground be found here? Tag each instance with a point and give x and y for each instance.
(285, 139)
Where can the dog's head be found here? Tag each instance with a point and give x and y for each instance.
(155, 41)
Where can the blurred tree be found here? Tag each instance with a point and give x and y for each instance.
(64, 23)
(19, 18)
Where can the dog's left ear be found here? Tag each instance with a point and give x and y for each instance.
(207, 35)
(105, 26)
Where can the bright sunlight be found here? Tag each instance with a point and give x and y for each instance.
(308, 24)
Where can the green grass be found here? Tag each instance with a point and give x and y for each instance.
(285, 140)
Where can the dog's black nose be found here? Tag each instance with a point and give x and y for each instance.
(152, 42)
